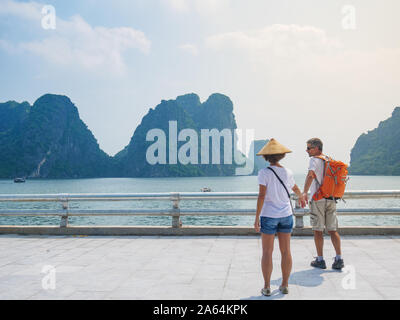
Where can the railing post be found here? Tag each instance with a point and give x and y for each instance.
(64, 217)
(299, 217)
(176, 222)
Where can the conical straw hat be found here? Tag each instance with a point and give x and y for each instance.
(273, 147)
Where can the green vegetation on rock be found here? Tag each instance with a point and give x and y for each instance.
(378, 151)
(49, 140)
(189, 113)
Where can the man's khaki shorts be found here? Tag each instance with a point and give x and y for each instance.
(323, 214)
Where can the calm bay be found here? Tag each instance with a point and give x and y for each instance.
(190, 184)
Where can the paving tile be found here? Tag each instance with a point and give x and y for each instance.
(191, 268)
(87, 295)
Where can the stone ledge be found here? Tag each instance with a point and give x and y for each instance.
(183, 231)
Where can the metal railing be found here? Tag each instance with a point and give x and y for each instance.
(175, 211)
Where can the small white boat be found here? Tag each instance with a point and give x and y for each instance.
(18, 180)
(206, 189)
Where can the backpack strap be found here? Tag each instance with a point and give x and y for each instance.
(276, 175)
(323, 158)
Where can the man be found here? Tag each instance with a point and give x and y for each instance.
(323, 211)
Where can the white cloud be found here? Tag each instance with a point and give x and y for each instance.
(25, 10)
(205, 7)
(305, 51)
(76, 43)
(6, 46)
(189, 48)
(211, 6)
(284, 41)
(177, 5)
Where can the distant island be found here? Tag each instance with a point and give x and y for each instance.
(259, 162)
(49, 140)
(378, 151)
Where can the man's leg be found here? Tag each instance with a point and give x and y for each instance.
(319, 242)
(317, 218)
(332, 225)
(338, 264)
(336, 242)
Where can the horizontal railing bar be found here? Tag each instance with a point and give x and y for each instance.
(27, 213)
(188, 212)
(87, 212)
(356, 194)
(358, 212)
(85, 196)
(370, 194)
(128, 196)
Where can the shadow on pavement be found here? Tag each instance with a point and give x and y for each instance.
(305, 278)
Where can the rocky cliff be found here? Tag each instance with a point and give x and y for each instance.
(49, 140)
(378, 151)
(172, 119)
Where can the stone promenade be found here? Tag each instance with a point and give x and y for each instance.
(203, 267)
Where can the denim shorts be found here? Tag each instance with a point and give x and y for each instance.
(274, 225)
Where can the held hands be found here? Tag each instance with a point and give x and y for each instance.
(305, 197)
(303, 200)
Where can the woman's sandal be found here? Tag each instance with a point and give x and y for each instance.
(266, 291)
(284, 290)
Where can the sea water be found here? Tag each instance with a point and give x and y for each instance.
(192, 184)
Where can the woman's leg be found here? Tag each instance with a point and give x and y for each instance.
(286, 263)
(266, 260)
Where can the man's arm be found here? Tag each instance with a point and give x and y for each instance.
(307, 184)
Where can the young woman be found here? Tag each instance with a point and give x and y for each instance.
(275, 213)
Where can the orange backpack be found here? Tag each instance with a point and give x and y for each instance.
(334, 179)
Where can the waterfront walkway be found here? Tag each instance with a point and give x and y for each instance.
(207, 267)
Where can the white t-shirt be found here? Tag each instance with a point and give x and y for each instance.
(276, 202)
(317, 165)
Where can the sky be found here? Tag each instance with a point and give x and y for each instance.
(294, 69)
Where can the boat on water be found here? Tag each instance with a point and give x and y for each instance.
(206, 189)
(18, 180)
